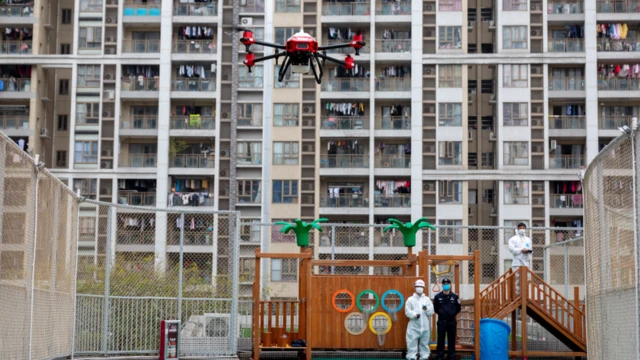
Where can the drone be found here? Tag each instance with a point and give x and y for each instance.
(301, 53)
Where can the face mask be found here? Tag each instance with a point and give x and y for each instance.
(446, 287)
(419, 290)
(521, 232)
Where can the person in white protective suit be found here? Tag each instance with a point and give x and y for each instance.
(419, 310)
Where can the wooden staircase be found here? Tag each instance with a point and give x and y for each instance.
(563, 318)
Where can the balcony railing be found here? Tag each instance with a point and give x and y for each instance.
(282, 6)
(393, 161)
(193, 84)
(286, 159)
(194, 47)
(139, 122)
(565, 7)
(394, 8)
(613, 122)
(617, 6)
(11, 122)
(618, 84)
(393, 123)
(344, 161)
(618, 45)
(140, 85)
(345, 122)
(85, 119)
(393, 46)
(140, 9)
(346, 9)
(198, 9)
(345, 84)
(138, 160)
(88, 82)
(566, 162)
(21, 10)
(86, 157)
(393, 84)
(141, 46)
(256, 7)
(345, 201)
(567, 122)
(193, 123)
(255, 82)
(250, 159)
(566, 45)
(192, 161)
(137, 198)
(16, 85)
(393, 201)
(16, 48)
(253, 121)
(346, 50)
(561, 83)
(567, 201)
(91, 6)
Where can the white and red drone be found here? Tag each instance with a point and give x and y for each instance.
(299, 53)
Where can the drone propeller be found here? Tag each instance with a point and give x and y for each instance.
(237, 29)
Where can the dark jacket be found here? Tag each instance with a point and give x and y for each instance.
(447, 306)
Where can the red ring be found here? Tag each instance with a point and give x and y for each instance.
(333, 301)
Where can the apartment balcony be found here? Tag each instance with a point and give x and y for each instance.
(15, 125)
(194, 49)
(393, 12)
(566, 205)
(619, 88)
(611, 49)
(346, 12)
(142, 163)
(563, 11)
(340, 88)
(344, 165)
(566, 162)
(250, 160)
(17, 14)
(88, 122)
(141, 47)
(252, 7)
(139, 89)
(364, 52)
(90, 8)
(190, 126)
(16, 48)
(19, 88)
(344, 126)
(567, 126)
(393, 126)
(393, 88)
(195, 13)
(139, 126)
(344, 204)
(251, 82)
(397, 204)
(193, 88)
(191, 164)
(137, 198)
(392, 165)
(141, 13)
(132, 239)
(617, 10)
(393, 49)
(608, 124)
(567, 45)
(566, 87)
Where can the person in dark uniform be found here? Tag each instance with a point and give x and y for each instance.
(447, 306)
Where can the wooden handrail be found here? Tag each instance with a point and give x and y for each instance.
(534, 276)
(494, 298)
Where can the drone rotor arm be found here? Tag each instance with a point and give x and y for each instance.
(276, 46)
(328, 58)
(335, 46)
(268, 57)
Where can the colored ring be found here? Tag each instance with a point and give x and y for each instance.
(389, 292)
(355, 314)
(373, 330)
(368, 292)
(335, 295)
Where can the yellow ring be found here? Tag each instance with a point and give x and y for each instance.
(373, 330)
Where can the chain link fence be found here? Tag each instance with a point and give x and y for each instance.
(612, 198)
(38, 229)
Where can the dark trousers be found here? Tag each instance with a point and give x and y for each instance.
(447, 328)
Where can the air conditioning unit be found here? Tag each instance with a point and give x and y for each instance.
(224, 192)
(307, 110)
(109, 94)
(108, 38)
(112, 20)
(553, 144)
(537, 201)
(223, 153)
(534, 6)
(430, 148)
(307, 148)
(223, 173)
(107, 76)
(246, 21)
(492, 135)
(538, 187)
(429, 186)
(224, 115)
(470, 25)
(428, 33)
(106, 114)
(428, 71)
(107, 152)
(44, 132)
(534, 32)
(428, 7)
(534, 69)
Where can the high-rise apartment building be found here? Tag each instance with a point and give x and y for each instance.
(468, 112)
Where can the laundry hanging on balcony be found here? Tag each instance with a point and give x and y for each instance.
(195, 71)
(357, 71)
(396, 71)
(618, 70)
(612, 31)
(147, 71)
(17, 34)
(345, 109)
(195, 33)
(344, 33)
(389, 188)
(392, 34)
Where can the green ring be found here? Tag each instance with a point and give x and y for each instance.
(367, 292)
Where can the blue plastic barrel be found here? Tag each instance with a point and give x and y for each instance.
(494, 339)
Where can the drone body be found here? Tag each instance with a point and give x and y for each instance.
(301, 53)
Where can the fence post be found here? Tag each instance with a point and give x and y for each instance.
(106, 308)
(566, 270)
(34, 178)
(75, 274)
(333, 247)
(181, 264)
(235, 284)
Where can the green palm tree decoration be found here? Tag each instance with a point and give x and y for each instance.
(409, 230)
(301, 228)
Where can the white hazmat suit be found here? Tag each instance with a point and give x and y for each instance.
(418, 328)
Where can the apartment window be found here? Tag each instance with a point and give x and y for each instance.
(472, 86)
(250, 230)
(514, 37)
(285, 115)
(249, 152)
(516, 153)
(66, 16)
(450, 37)
(448, 233)
(516, 193)
(284, 270)
(283, 33)
(63, 88)
(89, 76)
(487, 159)
(450, 152)
(486, 48)
(87, 187)
(472, 15)
(511, 228)
(450, 114)
(487, 86)
(472, 122)
(450, 192)
(514, 5)
(515, 114)
(86, 152)
(473, 159)
(290, 80)
(449, 5)
(249, 114)
(251, 80)
(487, 122)
(285, 153)
(473, 197)
(285, 191)
(487, 196)
(515, 76)
(249, 191)
(62, 122)
(87, 113)
(65, 49)
(90, 38)
(486, 14)
(472, 48)
(61, 159)
(450, 76)
(287, 6)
